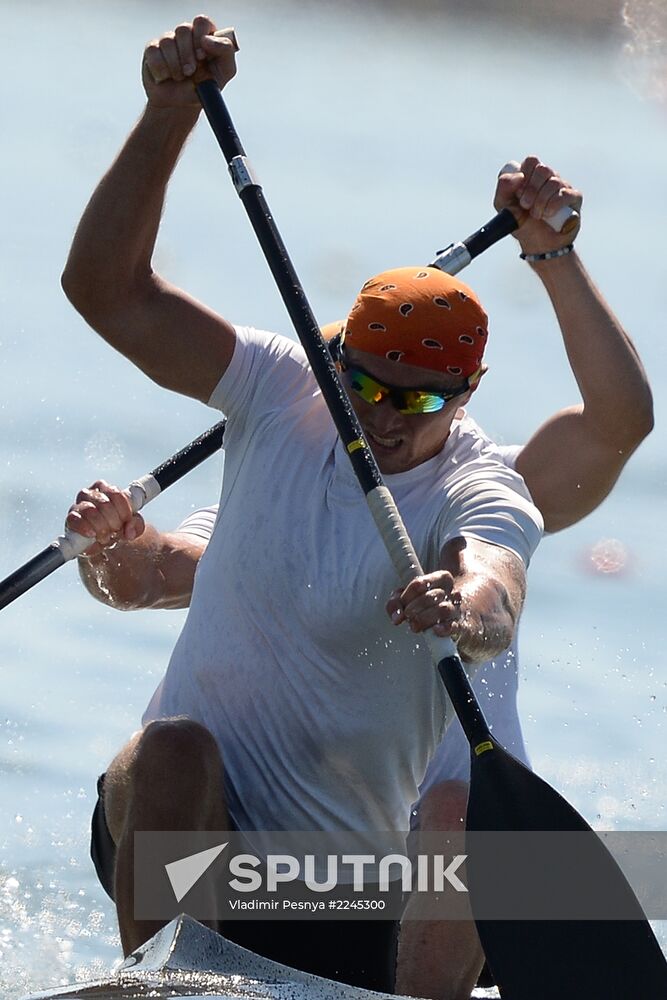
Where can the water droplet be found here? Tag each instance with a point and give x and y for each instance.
(103, 451)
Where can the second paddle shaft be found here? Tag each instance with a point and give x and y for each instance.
(71, 544)
(458, 255)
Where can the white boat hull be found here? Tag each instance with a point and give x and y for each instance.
(186, 959)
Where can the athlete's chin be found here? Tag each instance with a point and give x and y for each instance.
(390, 463)
(392, 453)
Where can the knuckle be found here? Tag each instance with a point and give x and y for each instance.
(167, 46)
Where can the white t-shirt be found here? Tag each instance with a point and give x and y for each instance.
(495, 682)
(325, 713)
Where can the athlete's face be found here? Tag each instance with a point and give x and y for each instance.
(401, 441)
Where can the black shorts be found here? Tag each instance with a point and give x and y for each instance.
(357, 952)
(102, 847)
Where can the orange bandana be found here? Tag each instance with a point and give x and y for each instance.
(420, 316)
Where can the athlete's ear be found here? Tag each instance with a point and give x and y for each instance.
(484, 369)
(334, 343)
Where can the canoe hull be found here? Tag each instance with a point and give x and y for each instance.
(186, 959)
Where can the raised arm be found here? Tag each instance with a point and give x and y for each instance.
(476, 598)
(174, 339)
(572, 462)
(131, 565)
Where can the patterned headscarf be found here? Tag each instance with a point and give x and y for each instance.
(420, 316)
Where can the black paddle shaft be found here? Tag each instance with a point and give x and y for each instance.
(465, 703)
(501, 225)
(317, 352)
(516, 812)
(188, 458)
(456, 256)
(289, 286)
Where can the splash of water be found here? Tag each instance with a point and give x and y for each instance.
(646, 50)
(48, 936)
(104, 451)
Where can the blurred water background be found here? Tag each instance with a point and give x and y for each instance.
(377, 131)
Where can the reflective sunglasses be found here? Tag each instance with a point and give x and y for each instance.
(404, 400)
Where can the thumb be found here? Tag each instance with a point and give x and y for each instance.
(220, 49)
(134, 528)
(507, 189)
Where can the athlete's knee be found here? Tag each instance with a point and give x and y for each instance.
(443, 806)
(172, 750)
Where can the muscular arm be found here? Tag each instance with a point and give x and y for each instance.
(574, 459)
(492, 585)
(476, 597)
(130, 564)
(572, 462)
(175, 340)
(155, 571)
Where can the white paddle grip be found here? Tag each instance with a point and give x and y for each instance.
(141, 491)
(227, 33)
(396, 539)
(564, 220)
(72, 544)
(404, 558)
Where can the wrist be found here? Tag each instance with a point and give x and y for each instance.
(481, 635)
(95, 558)
(177, 116)
(556, 267)
(548, 255)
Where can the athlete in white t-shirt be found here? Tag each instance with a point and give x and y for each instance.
(327, 735)
(412, 355)
(297, 684)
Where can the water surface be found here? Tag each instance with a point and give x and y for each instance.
(377, 140)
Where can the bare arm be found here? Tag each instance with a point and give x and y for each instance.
(176, 340)
(155, 571)
(130, 564)
(571, 463)
(476, 598)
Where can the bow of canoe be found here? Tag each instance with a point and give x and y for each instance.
(186, 959)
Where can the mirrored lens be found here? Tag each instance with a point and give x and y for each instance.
(405, 400)
(415, 401)
(366, 387)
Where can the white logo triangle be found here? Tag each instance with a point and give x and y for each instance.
(186, 871)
